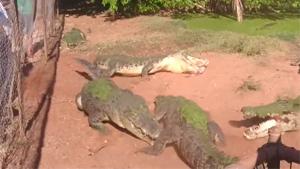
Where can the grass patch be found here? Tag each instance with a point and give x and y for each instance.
(285, 27)
(249, 85)
(139, 47)
(74, 38)
(229, 42)
(174, 35)
(200, 40)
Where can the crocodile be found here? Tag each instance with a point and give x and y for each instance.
(103, 101)
(186, 125)
(179, 62)
(282, 112)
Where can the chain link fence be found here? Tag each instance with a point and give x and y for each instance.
(26, 26)
(10, 96)
(29, 29)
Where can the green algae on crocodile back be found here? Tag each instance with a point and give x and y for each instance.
(278, 107)
(190, 111)
(193, 114)
(101, 89)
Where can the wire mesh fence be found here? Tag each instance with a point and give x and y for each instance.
(10, 55)
(26, 26)
(6, 79)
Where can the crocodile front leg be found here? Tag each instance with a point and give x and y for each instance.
(96, 121)
(145, 71)
(98, 126)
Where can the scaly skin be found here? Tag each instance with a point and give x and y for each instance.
(103, 101)
(186, 125)
(285, 112)
(142, 66)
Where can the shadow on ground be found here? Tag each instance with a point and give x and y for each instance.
(81, 7)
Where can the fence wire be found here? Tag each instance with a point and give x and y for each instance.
(10, 54)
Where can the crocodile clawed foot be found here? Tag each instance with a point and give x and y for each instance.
(102, 129)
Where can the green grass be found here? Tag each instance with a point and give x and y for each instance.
(283, 27)
(200, 40)
(211, 33)
(249, 85)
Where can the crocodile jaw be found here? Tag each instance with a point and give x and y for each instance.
(288, 122)
(144, 133)
(146, 125)
(181, 64)
(258, 131)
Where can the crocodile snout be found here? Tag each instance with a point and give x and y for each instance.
(151, 128)
(156, 132)
(247, 112)
(78, 102)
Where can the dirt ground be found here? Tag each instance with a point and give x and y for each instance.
(69, 142)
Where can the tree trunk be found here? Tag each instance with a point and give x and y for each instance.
(239, 10)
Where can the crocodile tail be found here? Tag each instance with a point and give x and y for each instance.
(95, 72)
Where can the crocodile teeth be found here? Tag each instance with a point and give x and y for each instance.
(260, 130)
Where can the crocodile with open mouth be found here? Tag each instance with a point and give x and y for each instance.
(187, 126)
(179, 62)
(103, 101)
(283, 112)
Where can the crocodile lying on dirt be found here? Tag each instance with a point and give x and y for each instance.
(103, 101)
(143, 66)
(284, 112)
(187, 126)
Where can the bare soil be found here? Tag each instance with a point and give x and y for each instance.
(69, 143)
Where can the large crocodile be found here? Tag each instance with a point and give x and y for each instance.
(187, 126)
(103, 101)
(179, 62)
(283, 112)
